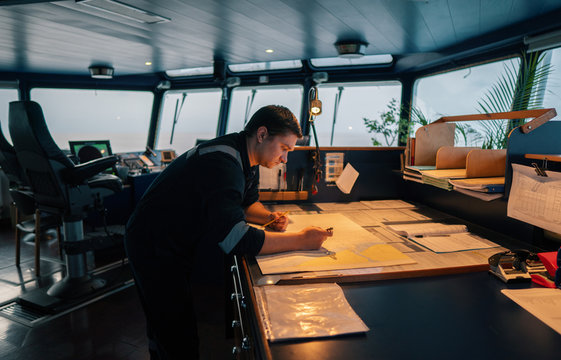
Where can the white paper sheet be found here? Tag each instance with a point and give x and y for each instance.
(441, 238)
(341, 206)
(545, 304)
(535, 199)
(452, 243)
(347, 179)
(387, 204)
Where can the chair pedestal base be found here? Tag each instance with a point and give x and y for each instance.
(71, 288)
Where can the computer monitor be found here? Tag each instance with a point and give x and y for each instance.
(103, 146)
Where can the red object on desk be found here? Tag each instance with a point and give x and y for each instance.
(549, 260)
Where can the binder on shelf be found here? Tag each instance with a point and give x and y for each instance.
(452, 157)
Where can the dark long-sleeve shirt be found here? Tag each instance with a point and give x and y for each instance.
(200, 197)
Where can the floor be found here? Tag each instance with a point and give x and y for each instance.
(109, 328)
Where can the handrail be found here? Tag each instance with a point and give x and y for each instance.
(540, 117)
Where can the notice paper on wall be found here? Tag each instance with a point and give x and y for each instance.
(347, 179)
(306, 311)
(535, 199)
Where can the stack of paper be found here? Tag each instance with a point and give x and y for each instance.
(414, 172)
(488, 184)
(440, 178)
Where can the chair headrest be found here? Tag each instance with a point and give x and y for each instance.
(30, 133)
(9, 161)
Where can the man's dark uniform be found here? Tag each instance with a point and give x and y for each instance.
(194, 210)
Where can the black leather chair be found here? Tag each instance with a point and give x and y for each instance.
(61, 187)
(28, 219)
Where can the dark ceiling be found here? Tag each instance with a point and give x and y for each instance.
(68, 37)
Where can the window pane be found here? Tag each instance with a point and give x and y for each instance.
(122, 117)
(458, 93)
(552, 96)
(198, 118)
(365, 60)
(246, 101)
(207, 70)
(357, 102)
(6, 95)
(269, 65)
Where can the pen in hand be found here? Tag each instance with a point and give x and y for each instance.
(272, 221)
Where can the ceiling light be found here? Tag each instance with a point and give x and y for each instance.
(148, 63)
(101, 72)
(350, 49)
(127, 11)
(269, 51)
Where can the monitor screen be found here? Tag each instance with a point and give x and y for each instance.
(86, 149)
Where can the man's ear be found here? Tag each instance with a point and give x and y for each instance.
(261, 134)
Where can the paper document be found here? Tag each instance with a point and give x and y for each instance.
(272, 179)
(341, 206)
(535, 199)
(441, 238)
(387, 204)
(306, 311)
(545, 304)
(350, 247)
(426, 229)
(347, 179)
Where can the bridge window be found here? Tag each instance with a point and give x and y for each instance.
(345, 108)
(552, 95)
(246, 101)
(6, 96)
(459, 93)
(188, 116)
(122, 117)
(266, 66)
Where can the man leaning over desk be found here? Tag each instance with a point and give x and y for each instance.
(205, 198)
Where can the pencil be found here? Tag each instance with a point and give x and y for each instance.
(272, 221)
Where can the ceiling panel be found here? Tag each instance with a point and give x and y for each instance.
(63, 36)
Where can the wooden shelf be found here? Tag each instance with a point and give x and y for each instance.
(282, 195)
(548, 157)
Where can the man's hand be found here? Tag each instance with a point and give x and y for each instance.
(280, 221)
(312, 237)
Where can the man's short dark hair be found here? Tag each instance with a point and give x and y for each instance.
(276, 118)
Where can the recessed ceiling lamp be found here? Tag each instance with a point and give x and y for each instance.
(148, 63)
(101, 71)
(124, 10)
(269, 51)
(350, 49)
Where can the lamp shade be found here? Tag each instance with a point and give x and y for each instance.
(350, 49)
(101, 72)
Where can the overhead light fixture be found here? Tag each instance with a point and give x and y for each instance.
(350, 49)
(315, 103)
(124, 10)
(320, 77)
(101, 72)
(148, 63)
(269, 51)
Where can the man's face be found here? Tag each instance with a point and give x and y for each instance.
(273, 150)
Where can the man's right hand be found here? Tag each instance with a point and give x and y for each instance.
(312, 237)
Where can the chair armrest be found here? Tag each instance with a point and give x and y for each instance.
(80, 173)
